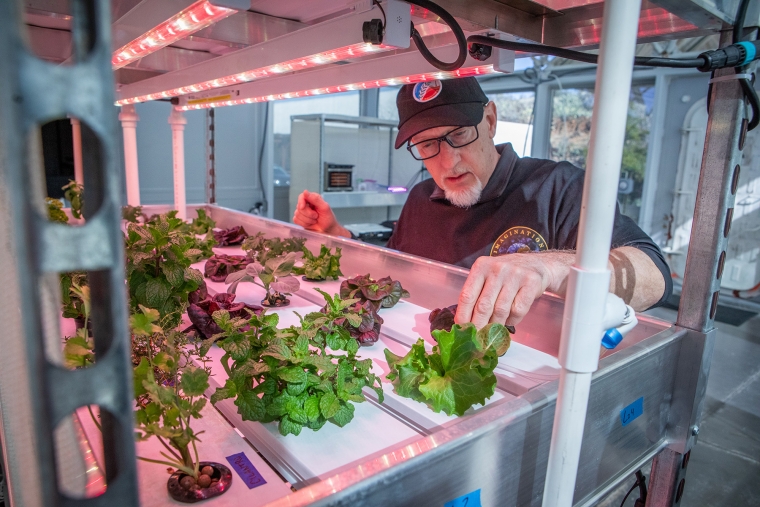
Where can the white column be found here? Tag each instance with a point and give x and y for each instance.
(178, 121)
(76, 134)
(129, 119)
(588, 283)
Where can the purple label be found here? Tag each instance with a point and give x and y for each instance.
(245, 469)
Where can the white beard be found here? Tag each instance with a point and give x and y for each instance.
(466, 197)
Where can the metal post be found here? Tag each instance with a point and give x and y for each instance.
(129, 119)
(33, 248)
(76, 134)
(588, 282)
(716, 193)
(210, 158)
(178, 121)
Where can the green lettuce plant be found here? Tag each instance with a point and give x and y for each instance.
(457, 374)
(320, 267)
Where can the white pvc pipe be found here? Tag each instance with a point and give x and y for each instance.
(588, 282)
(178, 121)
(129, 119)
(76, 134)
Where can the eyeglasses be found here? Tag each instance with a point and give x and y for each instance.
(457, 138)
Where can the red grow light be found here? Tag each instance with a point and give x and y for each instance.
(415, 78)
(196, 17)
(306, 62)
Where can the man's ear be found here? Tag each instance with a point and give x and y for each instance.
(489, 115)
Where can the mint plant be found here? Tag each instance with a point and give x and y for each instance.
(159, 276)
(302, 376)
(202, 223)
(457, 374)
(74, 193)
(132, 214)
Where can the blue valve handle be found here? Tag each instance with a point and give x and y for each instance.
(611, 338)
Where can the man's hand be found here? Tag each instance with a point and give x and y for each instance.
(314, 214)
(502, 289)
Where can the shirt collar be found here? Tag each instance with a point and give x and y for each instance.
(499, 179)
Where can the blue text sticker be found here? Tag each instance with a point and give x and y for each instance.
(245, 469)
(632, 411)
(471, 499)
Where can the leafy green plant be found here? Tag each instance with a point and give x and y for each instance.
(75, 296)
(168, 391)
(383, 293)
(132, 213)
(74, 193)
(322, 266)
(55, 211)
(159, 276)
(457, 374)
(202, 223)
(289, 375)
(261, 249)
(275, 275)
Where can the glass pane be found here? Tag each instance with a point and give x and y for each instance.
(514, 112)
(571, 131)
(386, 109)
(338, 103)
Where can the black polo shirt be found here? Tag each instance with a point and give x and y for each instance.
(528, 205)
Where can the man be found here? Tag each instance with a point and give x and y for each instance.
(513, 221)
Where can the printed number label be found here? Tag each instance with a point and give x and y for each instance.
(471, 499)
(632, 411)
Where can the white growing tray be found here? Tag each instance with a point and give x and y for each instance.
(376, 428)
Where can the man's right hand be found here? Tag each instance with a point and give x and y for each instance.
(314, 214)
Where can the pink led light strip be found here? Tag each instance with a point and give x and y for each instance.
(415, 78)
(196, 17)
(306, 62)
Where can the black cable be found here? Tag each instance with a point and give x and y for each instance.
(741, 15)
(650, 61)
(261, 157)
(754, 101)
(641, 483)
(455, 28)
(385, 20)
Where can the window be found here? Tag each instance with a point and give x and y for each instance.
(337, 103)
(571, 132)
(386, 109)
(515, 119)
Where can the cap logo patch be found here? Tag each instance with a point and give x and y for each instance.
(427, 91)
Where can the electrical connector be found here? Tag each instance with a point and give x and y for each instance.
(734, 55)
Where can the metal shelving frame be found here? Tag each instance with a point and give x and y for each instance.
(502, 451)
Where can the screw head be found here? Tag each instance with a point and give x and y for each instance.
(695, 430)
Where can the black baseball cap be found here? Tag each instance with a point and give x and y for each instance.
(421, 106)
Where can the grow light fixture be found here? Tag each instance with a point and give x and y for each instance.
(306, 62)
(318, 45)
(197, 16)
(203, 103)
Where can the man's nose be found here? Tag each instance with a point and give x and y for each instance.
(448, 156)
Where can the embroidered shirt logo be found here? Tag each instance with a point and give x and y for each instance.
(427, 91)
(518, 240)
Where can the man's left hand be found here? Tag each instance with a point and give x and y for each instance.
(502, 289)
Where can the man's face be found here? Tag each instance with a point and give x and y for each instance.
(463, 172)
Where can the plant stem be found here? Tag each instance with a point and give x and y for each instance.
(163, 442)
(188, 471)
(225, 364)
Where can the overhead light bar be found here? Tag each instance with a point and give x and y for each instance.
(328, 42)
(480, 70)
(307, 62)
(197, 16)
(389, 70)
